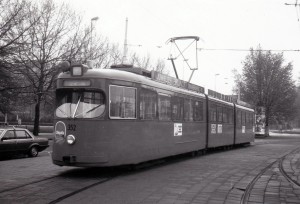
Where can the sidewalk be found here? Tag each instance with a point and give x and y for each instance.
(293, 131)
(275, 185)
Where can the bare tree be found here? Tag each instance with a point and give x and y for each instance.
(115, 55)
(13, 25)
(81, 48)
(146, 63)
(41, 47)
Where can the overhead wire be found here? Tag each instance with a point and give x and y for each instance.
(247, 50)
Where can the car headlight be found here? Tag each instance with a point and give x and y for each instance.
(70, 139)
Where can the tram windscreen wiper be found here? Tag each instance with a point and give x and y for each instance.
(63, 112)
(88, 111)
(76, 107)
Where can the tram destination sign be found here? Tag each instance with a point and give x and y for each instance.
(165, 79)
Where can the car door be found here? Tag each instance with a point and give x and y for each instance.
(24, 140)
(8, 142)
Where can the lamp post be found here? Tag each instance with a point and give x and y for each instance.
(216, 81)
(226, 83)
(92, 19)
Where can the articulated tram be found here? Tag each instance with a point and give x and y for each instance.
(127, 115)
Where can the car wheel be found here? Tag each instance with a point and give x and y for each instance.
(33, 152)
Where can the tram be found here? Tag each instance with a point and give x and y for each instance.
(128, 115)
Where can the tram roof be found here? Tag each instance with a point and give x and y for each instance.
(244, 108)
(211, 98)
(116, 74)
(153, 79)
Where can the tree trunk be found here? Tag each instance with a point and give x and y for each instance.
(37, 117)
(267, 114)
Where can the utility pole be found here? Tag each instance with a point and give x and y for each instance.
(93, 19)
(125, 44)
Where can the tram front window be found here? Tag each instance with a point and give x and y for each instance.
(79, 104)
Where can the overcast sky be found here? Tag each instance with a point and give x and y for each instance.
(221, 24)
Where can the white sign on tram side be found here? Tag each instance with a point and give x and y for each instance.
(177, 129)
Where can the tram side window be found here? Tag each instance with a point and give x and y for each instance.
(198, 111)
(148, 105)
(251, 118)
(188, 110)
(219, 113)
(247, 118)
(238, 116)
(122, 102)
(225, 115)
(230, 116)
(177, 108)
(213, 113)
(243, 118)
(164, 107)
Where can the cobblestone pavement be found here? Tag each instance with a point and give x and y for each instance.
(265, 172)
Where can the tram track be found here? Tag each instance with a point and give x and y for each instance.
(249, 188)
(26, 184)
(284, 173)
(52, 179)
(57, 200)
(58, 188)
(53, 189)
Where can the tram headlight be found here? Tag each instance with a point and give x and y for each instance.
(71, 139)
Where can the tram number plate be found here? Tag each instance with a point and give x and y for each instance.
(71, 127)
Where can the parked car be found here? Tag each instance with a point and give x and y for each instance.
(20, 140)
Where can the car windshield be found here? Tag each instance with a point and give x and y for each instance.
(1, 131)
(79, 104)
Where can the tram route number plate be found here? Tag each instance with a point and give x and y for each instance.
(71, 127)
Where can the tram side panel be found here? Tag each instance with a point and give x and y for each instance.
(220, 123)
(244, 125)
(143, 141)
(188, 129)
(165, 125)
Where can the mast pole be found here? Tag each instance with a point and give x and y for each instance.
(125, 43)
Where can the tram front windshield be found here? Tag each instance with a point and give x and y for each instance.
(79, 104)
